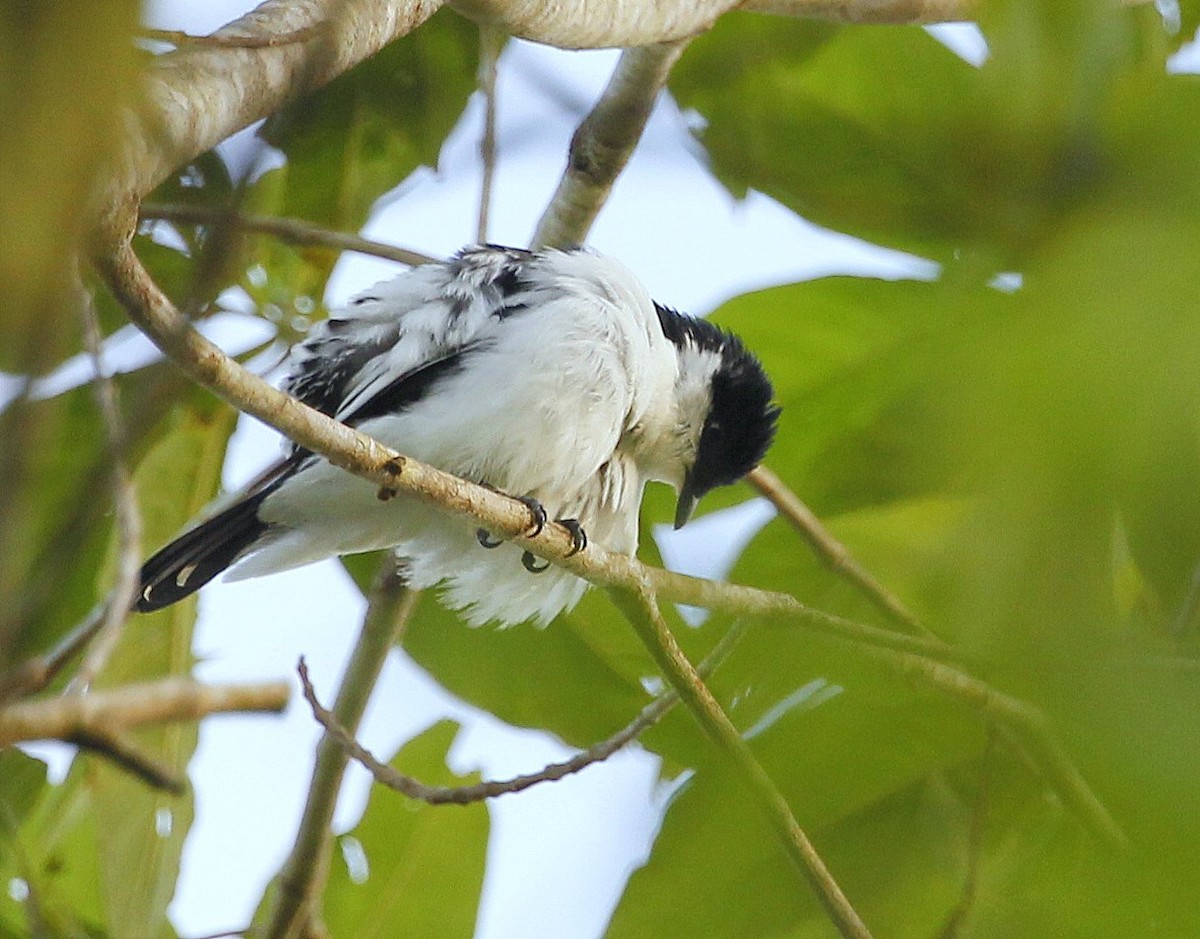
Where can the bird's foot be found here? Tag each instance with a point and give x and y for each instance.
(537, 519)
(529, 562)
(579, 539)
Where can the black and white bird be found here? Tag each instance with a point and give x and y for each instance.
(549, 375)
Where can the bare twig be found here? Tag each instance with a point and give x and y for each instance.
(641, 609)
(604, 141)
(295, 231)
(975, 836)
(303, 875)
(491, 42)
(128, 516)
(832, 552)
(176, 37)
(122, 709)
(388, 776)
(123, 753)
(34, 674)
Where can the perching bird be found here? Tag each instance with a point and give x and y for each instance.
(549, 375)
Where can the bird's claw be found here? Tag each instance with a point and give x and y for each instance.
(484, 537)
(579, 539)
(537, 518)
(537, 515)
(529, 562)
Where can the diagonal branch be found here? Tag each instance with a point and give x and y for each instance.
(604, 141)
(835, 555)
(641, 609)
(302, 877)
(357, 453)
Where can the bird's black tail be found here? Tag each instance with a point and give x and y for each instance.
(200, 554)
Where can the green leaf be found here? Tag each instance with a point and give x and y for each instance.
(65, 73)
(951, 162)
(410, 869)
(102, 848)
(364, 132)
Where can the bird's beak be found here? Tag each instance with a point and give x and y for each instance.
(686, 505)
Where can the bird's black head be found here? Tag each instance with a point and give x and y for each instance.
(741, 419)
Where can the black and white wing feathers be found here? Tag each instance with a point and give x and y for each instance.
(382, 355)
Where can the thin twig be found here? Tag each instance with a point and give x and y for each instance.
(833, 553)
(295, 231)
(127, 756)
(491, 42)
(641, 609)
(975, 836)
(128, 515)
(303, 875)
(604, 141)
(176, 37)
(388, 776)
(34, 674)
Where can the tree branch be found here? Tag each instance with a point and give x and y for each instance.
(357, 453)
(128, 515)
(122, 709)
(388, 776)
(195, 97)
(303, 875)
(640, 607)
(604, 141)
(835, 555)
(580, 24)
(292, 230)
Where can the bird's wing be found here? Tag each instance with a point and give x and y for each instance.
(393, 342)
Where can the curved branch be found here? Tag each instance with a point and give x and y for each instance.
(197, 96)
(604, 141)
(388, 776)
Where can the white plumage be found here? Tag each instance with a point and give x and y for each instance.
(549, 375)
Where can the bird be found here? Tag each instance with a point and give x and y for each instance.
(550, 375)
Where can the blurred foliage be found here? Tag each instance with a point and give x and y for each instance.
(1012, 447)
